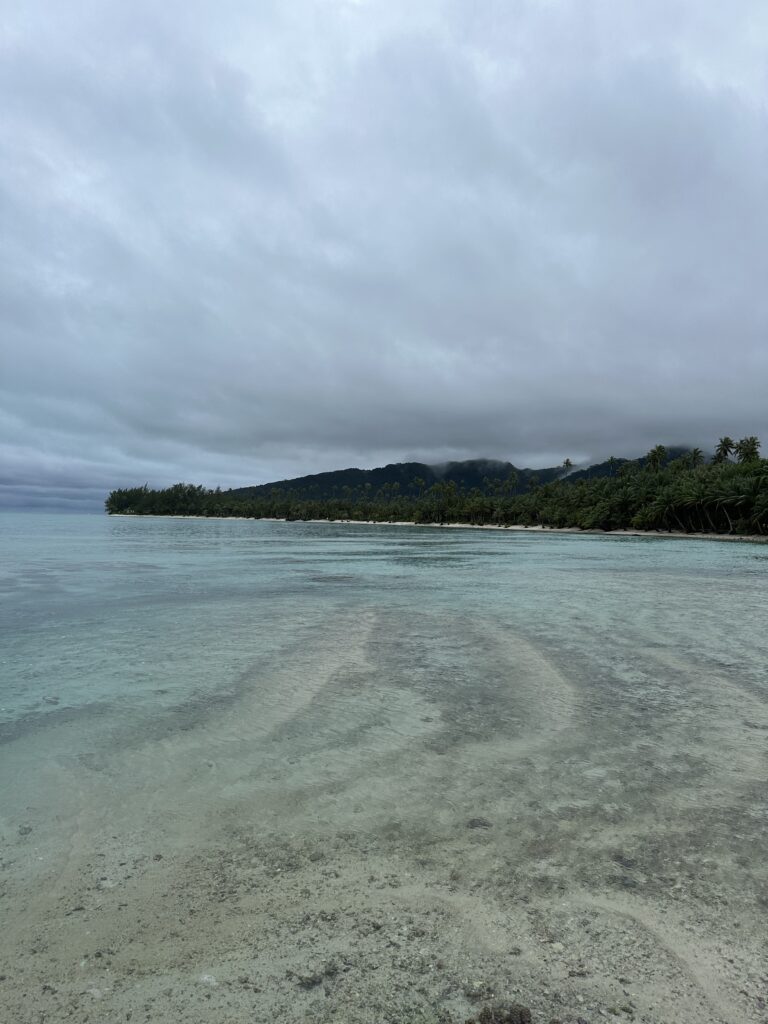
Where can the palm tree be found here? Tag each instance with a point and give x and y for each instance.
(510, 484)
(662, 509)
(752, 493)
(696, 496)
(725, 447)
(724, 499)
(697, 457)
(656, 457)
(760, 512)
(748, 449)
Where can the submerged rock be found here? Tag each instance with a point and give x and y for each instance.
(313, 978)
(479, 823)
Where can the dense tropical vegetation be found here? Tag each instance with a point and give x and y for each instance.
(665, 490)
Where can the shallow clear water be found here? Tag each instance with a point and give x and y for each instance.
(146, 613)
(602, 702)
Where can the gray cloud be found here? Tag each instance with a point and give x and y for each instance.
(284, 238)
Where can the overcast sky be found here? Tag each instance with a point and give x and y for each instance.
(248, 240)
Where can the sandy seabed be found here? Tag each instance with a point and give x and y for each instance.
(380, 838)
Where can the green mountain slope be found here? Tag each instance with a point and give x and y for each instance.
(410, 478)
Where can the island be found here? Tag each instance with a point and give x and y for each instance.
(673, 490)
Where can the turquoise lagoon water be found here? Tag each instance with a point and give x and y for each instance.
(599, 705)
(147, 613)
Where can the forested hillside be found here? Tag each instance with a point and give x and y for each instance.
(728, 494)
(406, 478)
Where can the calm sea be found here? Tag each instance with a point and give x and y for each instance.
(234, 749)
(142, 615)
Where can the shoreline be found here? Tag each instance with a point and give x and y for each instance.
(745, 538)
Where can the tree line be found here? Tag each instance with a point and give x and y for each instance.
(727, 494)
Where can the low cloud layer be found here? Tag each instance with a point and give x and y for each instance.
(257, 240)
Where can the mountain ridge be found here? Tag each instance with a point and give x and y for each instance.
(482, 474)
(411, 478)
